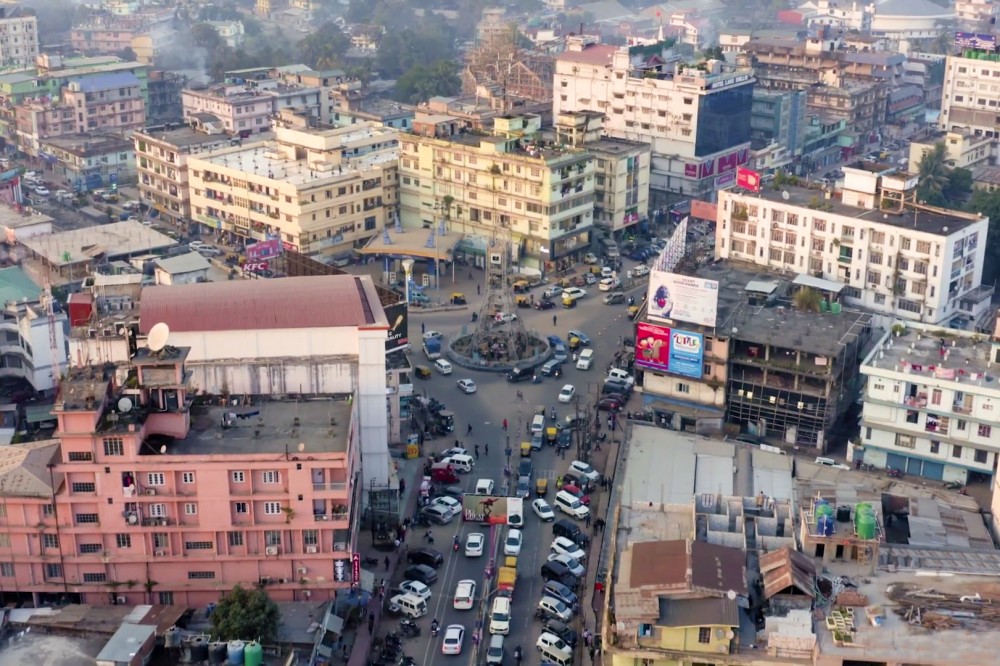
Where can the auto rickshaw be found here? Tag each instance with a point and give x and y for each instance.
(633, 311)
(458, 298)
(580, 281)
(541, 487)
(551, 434)
(521, 287)
(422, 372)
(568, 302)
(522, 301)
(574, 343)
(525, 449)
(595, 269)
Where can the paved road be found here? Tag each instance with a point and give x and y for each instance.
(485, 410)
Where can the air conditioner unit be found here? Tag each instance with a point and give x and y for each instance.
(150, 491)
(303, 571)
(312, 550)
(161, 553)
(340, 545)
(122, 601)
(282, 581)
(271, 550)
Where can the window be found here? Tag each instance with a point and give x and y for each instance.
(985, 430)
(158, 510)
(114, 446)
(7, 569)
(80, 456)
(956, 451)
(272, 508)
(201, 575)
(272, 538)
(241, 508)
(155, 479)
(310, 537)
(90, 548)
(161, 540)
(912, 416)
(935, 446)
(960, 424)
(84, 487)
(683, 388)
(94, 577)
(980, 456)
(704, 634)
(50, 541)
(236, 539)
(197, 545)
(4, 541)
(905, 441)
(239, 477)
(166, 598)
(271, 476)
(190, 509)
(936, 397)
(123, 540)
(187, 477)
(53, 571)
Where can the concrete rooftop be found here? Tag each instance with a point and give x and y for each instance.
(942, 353)
(820, 333)
(119, 239)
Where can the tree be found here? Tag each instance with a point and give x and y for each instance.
(932, 175)
(421, 82)
(324, 48)
(424, 44)
(959, 185)
(807, 300)
(246, 615)
(988, 204)
(206, 37)
(713, 53)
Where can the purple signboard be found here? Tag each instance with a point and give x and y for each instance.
(975, 41)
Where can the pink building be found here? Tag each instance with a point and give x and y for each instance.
(151, 494)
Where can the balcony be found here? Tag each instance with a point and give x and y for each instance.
(329, 487)
(333, 516)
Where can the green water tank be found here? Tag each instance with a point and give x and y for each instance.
(253, 654)
(835, 308)
(866, 526)
(863, 507)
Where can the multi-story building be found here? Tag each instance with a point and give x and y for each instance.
(964, 150)
(35, 349)
(112, 33)
(878, 247)
(351, 102)
(621, 170)
(162, 167)
(544, 195)
(976, 15)
(967, 100)
(778, 117)
(909, 25)
(164, 102)
(930, 404)
(323, 192)
(230, 32)
(250, 107)
(18, 37)
(697, 119)
(846, 14)
(90, 161)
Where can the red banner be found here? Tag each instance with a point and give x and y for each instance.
(356, 567)
(748, 179)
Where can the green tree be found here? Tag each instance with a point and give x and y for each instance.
(421, 82)
(807, 299)
(988, 204)
(324, 48)
(713, 53)
(206, 37)
(932, 175)
(959, 185)
(424, 44)
(246, 615)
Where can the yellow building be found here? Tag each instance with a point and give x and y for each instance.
(323, 191)
(542, 192)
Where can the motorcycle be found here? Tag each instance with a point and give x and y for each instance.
(455, 545)
(517, 654)
(371, 561)
(409, 629)
(552, 415)
(535, 379)
(435, 628)
(895, 473)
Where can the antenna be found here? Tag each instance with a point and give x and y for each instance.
(157, 338)
(124, 405)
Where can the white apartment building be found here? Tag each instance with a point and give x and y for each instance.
(875, 246)
(970, 99)
(322, 192)
(976, 14)
(964, 150)
(697, 120)
(845, 14)
(542, 192)
(930, 404)
(162, 167)
(18, 37)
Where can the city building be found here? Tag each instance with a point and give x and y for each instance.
(965, 105)
(778, 117)
(873, 243)
(89, 161)
(821, 148)
(964, 150)
(930, 404)
(542, 193)
(249, 107)
(181, 269)
(353, 102)
(322, 192)
(696, 119)
(976, 15)
(162, 167)
(18, 37)
(35, 348)
(845, 14)
(986, 178)
(164, 96)
(107, 33)
(907, 25)
(621, 171)
(523, 73)
(230, 32)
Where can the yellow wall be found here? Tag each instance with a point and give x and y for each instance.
(686, 639)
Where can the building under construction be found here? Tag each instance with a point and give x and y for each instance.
(498, 68)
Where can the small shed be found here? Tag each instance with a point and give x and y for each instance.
(182, 269)
(131, 645)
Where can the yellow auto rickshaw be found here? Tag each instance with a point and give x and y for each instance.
(541, 487)
(422, 372)
(633, 310)
(595, 269)
(569, 302)
(525, 449)
(574, 343)
(522, 301)
(521, 287)
(551, 434)
(458, 298)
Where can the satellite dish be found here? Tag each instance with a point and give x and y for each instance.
(302, 447)
(785, 195)
(731, 594)
(157, 338)
(124, 405)
(163, 448)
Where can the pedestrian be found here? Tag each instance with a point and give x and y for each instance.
(505, 422)
(344, 652)
(520, 396)
(371, 624)
(402, 486)
(386, 562)
(586, 637)
(476, 449)
(587, 520)
(423, 327)
(468, 430)
(478, 290)
(592, 651)
(397, 543)
(486, 447)
(553, 320)
(619, 341)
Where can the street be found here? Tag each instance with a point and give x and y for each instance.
(485, 410)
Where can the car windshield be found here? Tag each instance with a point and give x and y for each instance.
(501, 617)
(513, 540)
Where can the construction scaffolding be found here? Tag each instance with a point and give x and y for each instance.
(498, 68)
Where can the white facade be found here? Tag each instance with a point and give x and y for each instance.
(230, 32)
(846, 14)
(18, 39)
(928, 407)
(925, 273)
(970, 99)
(27, 347)
(976, 14)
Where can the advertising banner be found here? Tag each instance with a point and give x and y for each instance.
(748, 179)
(704, 210)
(255, 266)
(398, 316)
(490, 509)
(263, 250)
(675, 351)
(356, 567)
(687, 355)
(975, 41)
(674, 297)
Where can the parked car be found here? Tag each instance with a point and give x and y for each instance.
(427, 556)
(421, 573)
(543, 510)
(566, 546)
(413, 587)
(557, 590)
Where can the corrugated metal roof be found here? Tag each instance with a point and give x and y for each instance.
(293, 302)
(785, 568)
(15, 285)
(184, 263)
(107, 81)
(595, 54)
(698, 613)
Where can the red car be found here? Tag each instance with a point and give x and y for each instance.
(578, 493)
(609, 405)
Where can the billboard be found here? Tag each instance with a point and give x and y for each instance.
(704, 210)
(748, 179)
(975, 41)
(398, 336)
(491, 509)
(672, 297)
(263, 250)
(669, 350)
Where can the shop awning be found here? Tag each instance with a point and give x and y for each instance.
(424, 243)
(35, 414)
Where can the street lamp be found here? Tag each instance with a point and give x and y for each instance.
(407, 272)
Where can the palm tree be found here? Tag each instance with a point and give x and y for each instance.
(932, 177)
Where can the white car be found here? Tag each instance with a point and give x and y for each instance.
(42, 191)
(454, 636)
(590, 258)
(552, 644)
(641, 270)
(484, 487)
(567, 393)
(474, 544)
(609, 284)
(583, 469)
(565, 546)
(197, 245)
(500, 617)
(466, 386)
(433, 335)
(443, 366)
(416, 588)
(575, 293)
(209, 251)
(454, 451)
(449, 503)
(512, 546)
(465, 595)
(505, 316)
(572, 564)
(585, 360)
(544, 511)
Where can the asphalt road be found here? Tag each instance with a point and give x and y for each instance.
(485, 410)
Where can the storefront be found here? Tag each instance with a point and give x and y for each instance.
(564, 251)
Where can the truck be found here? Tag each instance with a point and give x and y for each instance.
(507, 577)
(432, 348)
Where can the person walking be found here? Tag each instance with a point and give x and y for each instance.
(587, 520)
(505, 425)
(468, 431)
(476, 450)
(423, 327)
(486, 448)
(553, 320)
(386, 562)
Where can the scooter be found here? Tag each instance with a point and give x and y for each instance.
(535, 379)
(409, 628)
(455, 545)
(435, 628)
(552, 415)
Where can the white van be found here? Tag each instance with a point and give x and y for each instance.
(571, 506)
(621, 375)
(463, 464)
(411, 605)
(494, 653)
(443, 366)
(830, 462)
(500, 616)
(538, 424)
(585, 359)
(554, 649)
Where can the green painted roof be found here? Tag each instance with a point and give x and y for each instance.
(15, 285)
